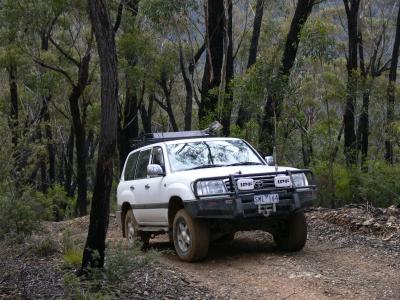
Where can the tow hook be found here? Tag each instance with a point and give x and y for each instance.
(267, 209)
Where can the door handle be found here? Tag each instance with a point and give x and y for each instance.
(131, 187)
(147, 186)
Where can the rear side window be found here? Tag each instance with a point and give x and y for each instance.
(130, 167)
(143, 162)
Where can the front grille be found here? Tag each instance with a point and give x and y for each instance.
(260, 182)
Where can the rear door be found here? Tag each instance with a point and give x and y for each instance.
(139, 188)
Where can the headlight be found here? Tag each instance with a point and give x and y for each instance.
(299, 180)
(210, 187)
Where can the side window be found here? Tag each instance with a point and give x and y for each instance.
(157, 157)
(143, 162)
(130, 167)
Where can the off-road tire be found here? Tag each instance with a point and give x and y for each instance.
(293, 236)
(133, 235)
(195, 247)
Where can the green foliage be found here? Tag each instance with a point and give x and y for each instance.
(167, 14)
(21, 215)
(249, 132)
(317, 39)
(61, 205)
(381, 185)
(340, 185)
(72, 258)
(121, 262)
(71, 251)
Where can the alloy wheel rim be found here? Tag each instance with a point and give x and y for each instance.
(131, 232)
(184, 238)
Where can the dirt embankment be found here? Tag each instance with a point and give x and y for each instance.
(351, 253)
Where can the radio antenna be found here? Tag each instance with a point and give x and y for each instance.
(274, 149)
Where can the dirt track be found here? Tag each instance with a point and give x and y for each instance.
(351, 253)
(335, 263)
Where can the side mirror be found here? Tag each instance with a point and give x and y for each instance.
(270, 160)
(155, 170)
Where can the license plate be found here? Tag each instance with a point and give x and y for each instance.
(266, 199)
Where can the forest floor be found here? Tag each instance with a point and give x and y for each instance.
(351, 253)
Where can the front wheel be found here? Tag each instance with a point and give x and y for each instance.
(191, 237)
(293, 236)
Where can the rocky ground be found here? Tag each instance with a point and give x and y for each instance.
(351, 253)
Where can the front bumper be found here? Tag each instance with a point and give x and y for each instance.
(244, 207)
(237, 203)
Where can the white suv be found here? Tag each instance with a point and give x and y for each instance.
(201, 189)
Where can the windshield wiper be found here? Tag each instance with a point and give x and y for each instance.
(244, 163)
(204, 167)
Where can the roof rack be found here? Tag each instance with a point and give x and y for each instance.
(156, 137)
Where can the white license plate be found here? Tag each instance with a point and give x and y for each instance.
(266, 199)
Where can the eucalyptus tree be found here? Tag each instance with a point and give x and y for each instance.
(273, 105)
(72, 43)
(389, 155)
(350, 146)
(215, 22)
(128, 124)
(244, 113)
(373, 63)
(105, 39)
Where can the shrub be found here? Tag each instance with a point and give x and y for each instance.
(340, 185)
(45, 247)
(72, 253)
(380, 186)
(20, 216)
(62, 207)
(72, 258)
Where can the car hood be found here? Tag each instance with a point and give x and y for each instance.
(224, 171)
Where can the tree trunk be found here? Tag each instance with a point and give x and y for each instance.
(80, 140)
(129, 125)
(350, 147)
(273, 105)
(14, 108)
(212, 69)
(391, 94)
(69, 163)
(363, 131)
(105, 38)
(244, 114)
(128, 128)
(80, 134)
(189, 91)
(51, 150)
(146, 114)
(228, 99)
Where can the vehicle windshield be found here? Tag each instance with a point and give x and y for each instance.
(209, 154)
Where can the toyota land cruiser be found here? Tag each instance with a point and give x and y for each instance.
(200, 189)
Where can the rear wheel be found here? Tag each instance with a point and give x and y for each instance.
(293, 235)
(191, 237)
(135, 237)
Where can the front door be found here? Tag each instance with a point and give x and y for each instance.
(148, 208)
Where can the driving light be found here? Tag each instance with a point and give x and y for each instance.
(299, 180)
(210, 187)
